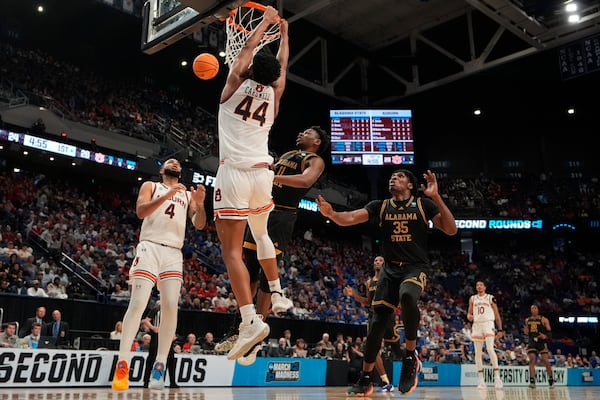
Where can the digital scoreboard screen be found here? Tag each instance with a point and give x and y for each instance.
(67, 150)
(371, 137)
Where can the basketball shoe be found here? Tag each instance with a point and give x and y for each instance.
(250, 334)
(411, 365)
(157, 376)
(280, 303)
(121, 379)
(388, 387)
(363, 387)
(532, 383)
(250, 357)
(226, 344)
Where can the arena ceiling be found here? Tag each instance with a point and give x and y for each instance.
(380, 52)
(406, 47)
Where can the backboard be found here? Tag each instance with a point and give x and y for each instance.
(167, 21)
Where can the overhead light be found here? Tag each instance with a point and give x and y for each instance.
(571, 7)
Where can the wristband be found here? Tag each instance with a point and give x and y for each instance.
(500, 330)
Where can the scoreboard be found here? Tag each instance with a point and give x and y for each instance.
(67, 150)
(371, 137)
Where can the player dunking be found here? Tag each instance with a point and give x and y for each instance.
(164, 207)
(248, 107)
(404, 222)
(296, 172)
(483, 311)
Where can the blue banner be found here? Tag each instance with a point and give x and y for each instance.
(583, 377)
(281, 372)
(433, 374)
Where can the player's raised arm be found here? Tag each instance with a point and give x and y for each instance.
(343, 218)
(196, 210)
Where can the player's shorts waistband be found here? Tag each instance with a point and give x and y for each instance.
(162, 244)
(286, 208)
(247, 165)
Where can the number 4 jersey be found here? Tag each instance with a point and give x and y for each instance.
(166, 225)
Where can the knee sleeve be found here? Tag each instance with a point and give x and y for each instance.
(409, 296)
(264, 245)
(170, 290)
(489, 345)
(133, 315)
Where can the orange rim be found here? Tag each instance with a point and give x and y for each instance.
(249, 4)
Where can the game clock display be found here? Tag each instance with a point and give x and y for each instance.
(371, 137)
(67, 150)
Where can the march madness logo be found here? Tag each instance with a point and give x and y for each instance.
(429, 373)
(283, 371)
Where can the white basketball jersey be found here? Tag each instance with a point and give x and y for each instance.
(482, 308)
(245, 120)
(166, 225)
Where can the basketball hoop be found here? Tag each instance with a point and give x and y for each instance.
(239, 26)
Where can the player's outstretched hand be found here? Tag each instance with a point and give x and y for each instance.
(324, 206)
(348, 291)
(271, 15)
(283, 27)
(432, 187)
(198, 194)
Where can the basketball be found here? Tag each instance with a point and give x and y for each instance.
(206, 66)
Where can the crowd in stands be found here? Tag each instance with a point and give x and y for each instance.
(133, 108)
(147, 111)
(97, 229)
(526, 196)
(45, 220)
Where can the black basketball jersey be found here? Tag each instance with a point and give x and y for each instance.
(371, 287)
(404, 228)
(535, 327)
(291, 163)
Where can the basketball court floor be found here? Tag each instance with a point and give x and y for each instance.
(299, 393)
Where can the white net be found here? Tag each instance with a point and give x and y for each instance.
(239, 26)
